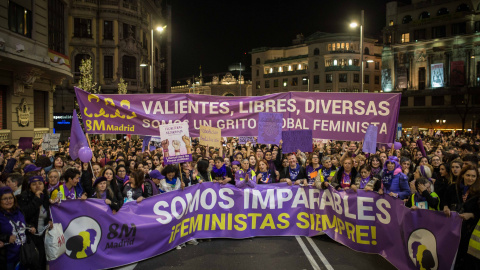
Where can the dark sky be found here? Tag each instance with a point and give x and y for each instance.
(216, 33)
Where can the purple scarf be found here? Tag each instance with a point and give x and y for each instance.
(364, 182)
(222, 172)
(375, 171)
(294, 172)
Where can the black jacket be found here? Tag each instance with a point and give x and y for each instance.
(30, 206)
(302, 174)
(115, 203)
(337, 178)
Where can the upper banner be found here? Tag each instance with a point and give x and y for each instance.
(336, 116)
(364, 221)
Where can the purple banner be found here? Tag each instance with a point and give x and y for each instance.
(177, 159)
(336, 116)
(294, 140)
(364, 221)
(270, 128)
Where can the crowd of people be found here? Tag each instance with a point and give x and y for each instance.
(438, 173)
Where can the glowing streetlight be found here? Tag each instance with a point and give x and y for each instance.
(354, 25)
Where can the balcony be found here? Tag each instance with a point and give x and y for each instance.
(286, 59)
(38, 133)
(110, 2)
(287, 73)
(5, 135)
(342, 68)
(344, 51)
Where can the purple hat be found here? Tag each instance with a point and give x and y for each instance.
(5, 190)
(155, 174)
(99, 180)
(235, 162)
(36, 178)
(31, 168)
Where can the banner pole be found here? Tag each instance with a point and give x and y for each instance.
(90, 162)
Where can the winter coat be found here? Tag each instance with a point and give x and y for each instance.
(395, 181)
(11, 252)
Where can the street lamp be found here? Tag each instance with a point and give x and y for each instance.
(160, 30)
(354, 25)
(308, 83)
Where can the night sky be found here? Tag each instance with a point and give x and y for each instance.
(215, 33)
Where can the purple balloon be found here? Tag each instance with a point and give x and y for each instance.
(85, 154)
(397, 145)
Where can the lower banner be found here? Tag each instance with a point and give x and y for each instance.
(364, 221)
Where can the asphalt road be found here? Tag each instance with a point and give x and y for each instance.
(319, 252)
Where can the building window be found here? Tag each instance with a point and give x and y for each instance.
(438, 100)
(356, 77)
(343, 90)
(3, 107)
(457, 99)
(78, 62)
(329, 47)
(257, 61)
(82, 28)
(377, 79)
(407, 19)
(40, 101)
(335, 62)
(367, 51)
(267, 84)
(108, 30)
(355, 90)
(316, 51)
(316, 79)
(315, 65)
(366, 64)
(463, 7)
(56, 26)
(145, 41)
(405, 37)
(439, 31)
(442, 11)
(366, 79)
(459, 28)
(404, 102)
(19, 19)
(419, 101)
(285, 82)
(294, 81)
(391, 23)
(356, 62)
(129, 31)
(424, 15)
(257, 85)
(275, 83)
(129, 64)
(342, 77)
(328, 90)
(108, 66)
(419, 34)
(258, 72)
(329, 78)
(477, 26)
(377, 65)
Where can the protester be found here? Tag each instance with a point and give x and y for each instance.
(294, 173)
(395, 183)
(364, 180)
(69, 190)
(172, 180)
(221, 173)
(102, 190)
(313, 168)
(423, 197)
(265, 174)
(136, 188)
(245, 177)
(344, 176)
(13, 229)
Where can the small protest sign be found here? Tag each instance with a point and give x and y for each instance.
(294, 140)
(370, 141)
(156, 142)
(210, 136)
(50, 141)
(415, 130)
(270, 128)
(245, 139)
(25, 143)
(176, 138)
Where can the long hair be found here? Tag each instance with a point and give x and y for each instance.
(449, 176)
(475, 188)
(139, 177)
(108, 190)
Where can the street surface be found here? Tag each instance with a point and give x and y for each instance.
(319, 252)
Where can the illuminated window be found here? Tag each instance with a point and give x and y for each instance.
(285, 82)
(289, 68)
(271, 70)
(338, 46)
(329, 47)
(333, 47)
(405, 37)
(391, 23)
(19, 19)
(280, 69)
(329, 78)
(347, 46)
(350, 62)
(294, 81)
(342, 45)
(299, 66)
(335, 62)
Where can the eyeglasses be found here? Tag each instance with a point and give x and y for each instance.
(7, 199)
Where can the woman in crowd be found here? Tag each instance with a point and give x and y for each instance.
(102, 190)
(423, 197)
(407, 167)
(335, 160)
(157, 162)
(440, 154)
(252, 160)
(58, 164)
(245, 177)
(35, 206)
(87, 179)
(235, 166)
(221, 173)
(435, 162)
(364, 180)
(375, 163)
(464, 197)
(265, 175)
(109, 174)
(96, 169)
(327, 171)
(53, 181)
(187, 174)
(202, 174)
(70, 189)
(131, 166)
(395, 183)
(136, 188)
(172, 180)
(313, 169)
(456, 166)
(345, 176)
(121, 176)
(12, 229)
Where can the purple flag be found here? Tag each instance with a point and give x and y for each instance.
(270, 128)
(364, 221)
(294, 140)
(146, 141)
(370, 141)
(25, 143)
(77, 137)
(333, 116)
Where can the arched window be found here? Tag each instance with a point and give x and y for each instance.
(478, 7)
(367, 51)
(129, 64)
(316, 51)
(78, 61)
(442, 11)
(463, 7)
(257, 61)
(407, 19)
(424, 15)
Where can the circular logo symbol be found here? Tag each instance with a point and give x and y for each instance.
(422, 249)
(82, 236)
